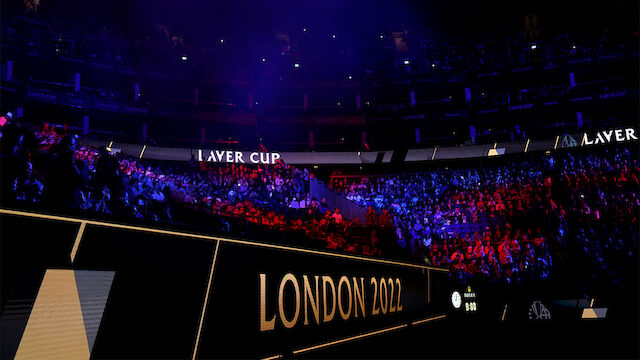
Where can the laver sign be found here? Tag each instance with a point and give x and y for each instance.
(610, 136)
(238, 157)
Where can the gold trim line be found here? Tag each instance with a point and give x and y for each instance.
(76, 244)
(315, 347)
(418, 322)
(206, 301)
(273, 357)
(208, 237)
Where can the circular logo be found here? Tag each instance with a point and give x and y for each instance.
(456, 300)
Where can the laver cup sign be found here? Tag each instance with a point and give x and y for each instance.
(174, 294)
(237, 157)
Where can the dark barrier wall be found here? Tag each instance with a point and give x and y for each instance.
(130, 292)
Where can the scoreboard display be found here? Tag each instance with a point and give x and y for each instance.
(463, 300)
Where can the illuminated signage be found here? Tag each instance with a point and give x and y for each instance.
(464, 299)
(316, 298)
(470, 300)
(238, 157)
(610, 136)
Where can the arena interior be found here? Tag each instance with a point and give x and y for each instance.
(319, 179)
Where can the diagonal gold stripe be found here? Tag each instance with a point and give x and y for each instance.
(351, 338)
(504, 312)
(208, 237)
(206, 300)
(55, 329)
(273, 357)
(429, 319)
(76, 244)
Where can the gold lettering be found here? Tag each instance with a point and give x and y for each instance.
(315, 300)
(344, 280)
(392, 308)
(265, 325)
(384, 301)
(359, 296)
(327, 280)
(399, 306)
(374, 308)
(286, 322)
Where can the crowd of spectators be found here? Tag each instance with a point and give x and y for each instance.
(510, 221)
(71, 175)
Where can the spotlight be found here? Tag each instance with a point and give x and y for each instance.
(221, 41)
(264, 59)
(183, 58)
(406, 62)
(333, 36)
(296, 65)
(304, 29)
(381, 37)
(534, 46)
(350, 77)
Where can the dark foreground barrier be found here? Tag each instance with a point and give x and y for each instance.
(76, 288)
